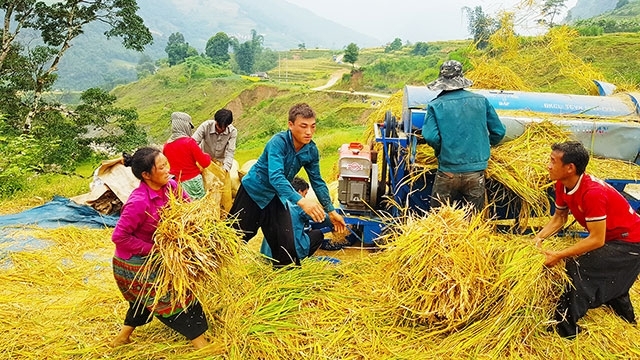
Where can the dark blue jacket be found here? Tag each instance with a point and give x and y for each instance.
(461, 126)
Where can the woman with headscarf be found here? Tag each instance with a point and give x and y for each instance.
(185, 156)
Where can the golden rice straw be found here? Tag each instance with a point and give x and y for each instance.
(191, 244)
(62, 302)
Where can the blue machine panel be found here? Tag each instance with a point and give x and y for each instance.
(601, 106)
(415, 101)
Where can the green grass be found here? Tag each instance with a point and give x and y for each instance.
(42, 187)
(613, 54)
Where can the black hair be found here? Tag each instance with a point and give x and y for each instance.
(143, 160)
(573, 152)
(303, 110)
(299, 184)
(223, 117)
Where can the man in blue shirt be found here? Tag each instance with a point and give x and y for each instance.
(266, 188)
(307, 240)
(460, 126)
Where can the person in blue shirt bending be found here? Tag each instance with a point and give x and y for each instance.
(266, 188)
(306, 240)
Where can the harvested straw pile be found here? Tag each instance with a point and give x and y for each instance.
(192, 243)
(62, 303)
(520, 166)
(451, 271)
(492, 74)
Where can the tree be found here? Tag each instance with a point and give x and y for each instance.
(396, 44)
(56, 138)
(550, 10)
(420, 49)
(176, 48)
(217, 48)
(21, 13)
(145, 67)
(256, 41)
(245, 57)
(351, 54)
(480, 25)
(302, 46)
(58, 23)
(267, 60)
(114, 128)
(247, 52)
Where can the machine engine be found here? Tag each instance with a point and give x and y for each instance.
(358, 178)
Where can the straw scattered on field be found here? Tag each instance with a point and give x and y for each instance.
(444, 286)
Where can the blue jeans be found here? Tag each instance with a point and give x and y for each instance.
(451, 188)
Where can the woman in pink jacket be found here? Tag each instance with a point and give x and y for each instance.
(133, 237)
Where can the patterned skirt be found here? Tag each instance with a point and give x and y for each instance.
(140, 291)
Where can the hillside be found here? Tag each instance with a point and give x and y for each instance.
(94, 60)
(585, 9)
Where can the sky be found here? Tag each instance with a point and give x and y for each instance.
(419, 20)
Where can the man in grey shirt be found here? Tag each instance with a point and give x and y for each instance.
(217, 138)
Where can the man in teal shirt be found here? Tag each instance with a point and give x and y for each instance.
(265, 190)
(460, 126)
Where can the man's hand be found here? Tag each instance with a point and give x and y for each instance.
(552, 258)
(538, 241)
(313, 209)
(338, 222)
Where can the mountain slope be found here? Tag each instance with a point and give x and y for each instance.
(585, 9)
(93, 60)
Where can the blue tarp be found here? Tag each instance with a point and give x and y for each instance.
(59, 212)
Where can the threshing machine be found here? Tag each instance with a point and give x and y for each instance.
(607, 125)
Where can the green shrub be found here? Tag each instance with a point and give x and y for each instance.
(591, 30)
(18, 156)
(12, 180)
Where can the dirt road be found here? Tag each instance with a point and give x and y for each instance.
(337, 76)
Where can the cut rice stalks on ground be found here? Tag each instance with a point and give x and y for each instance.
(62, 302)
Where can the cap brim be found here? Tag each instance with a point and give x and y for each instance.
(448, 84)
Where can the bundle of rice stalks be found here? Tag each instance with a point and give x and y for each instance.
(191, 245)
(559, 41)
(449, 267)
(520, 166)
(504, 40)
(451, 275)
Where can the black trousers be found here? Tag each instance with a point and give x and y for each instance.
(315, 240)
(600, 277)
(191, 323)
(275, 222)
